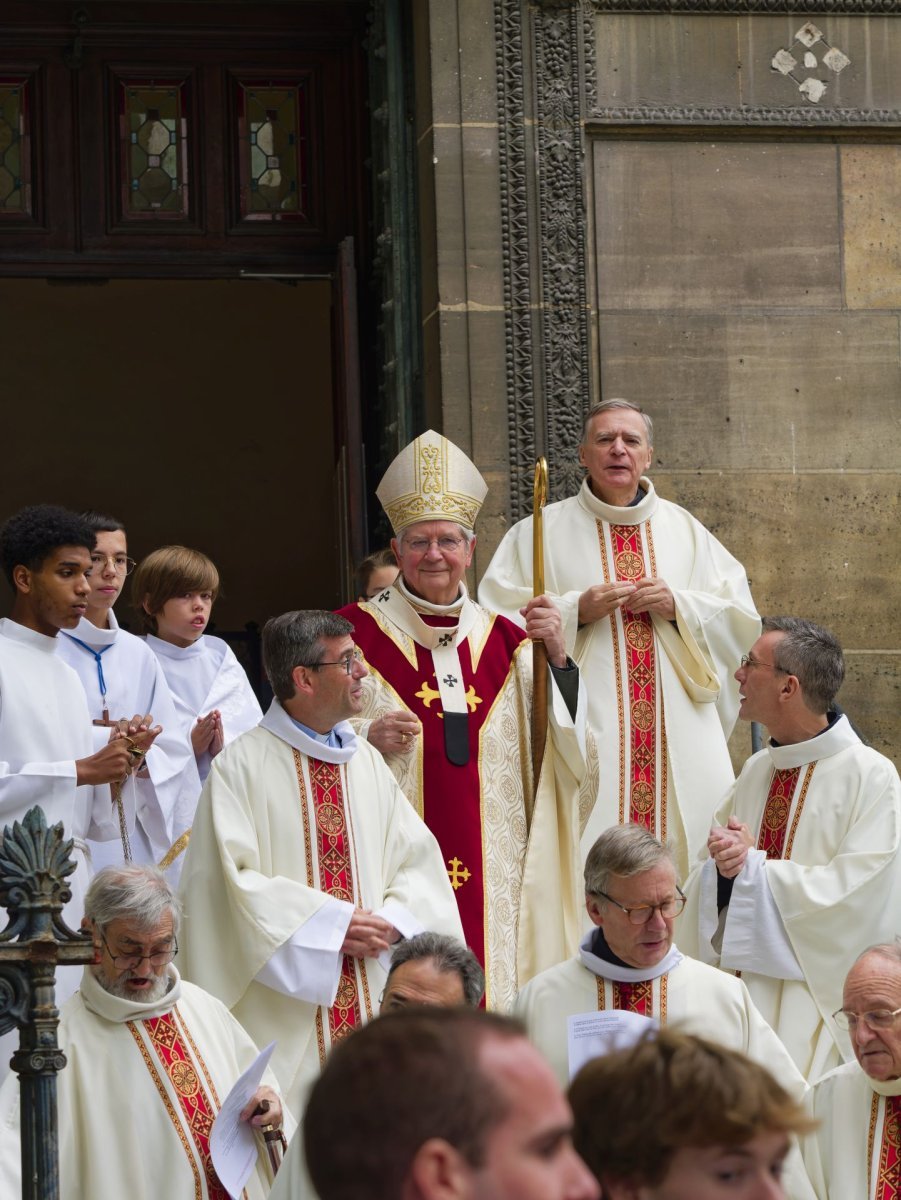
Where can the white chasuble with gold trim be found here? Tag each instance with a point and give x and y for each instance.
(822, 884)
(678, 990)
(481, 811)
(141, 1088)
(661, 697)
(855, 1153)
(281, 838)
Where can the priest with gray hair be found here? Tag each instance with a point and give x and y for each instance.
(630, 964)
(150, 1058)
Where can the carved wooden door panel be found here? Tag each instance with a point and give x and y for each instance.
(174, 139)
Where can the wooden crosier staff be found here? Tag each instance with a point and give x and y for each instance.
(539, 650)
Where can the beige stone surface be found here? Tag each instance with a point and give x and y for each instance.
(716, 224)
(665, 59)
(819, 545)
(871, 197)
(869, 81)
(871, 696)
(696, 61)
(775, 391)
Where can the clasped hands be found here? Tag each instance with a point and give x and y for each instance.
(649, 595)
(729, 845)
(128, 743)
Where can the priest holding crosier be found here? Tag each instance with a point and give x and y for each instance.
(448, 700)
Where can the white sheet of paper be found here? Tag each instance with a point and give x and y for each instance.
(590, 1035)
(233, 1145)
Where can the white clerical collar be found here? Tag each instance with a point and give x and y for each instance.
(277, 722)
(838, 737)
(883, 1087)
(179, 653)
(27, 637)
(117, 1009)
(85, 631)
(437, 610)
(609, 970)
(632, 514)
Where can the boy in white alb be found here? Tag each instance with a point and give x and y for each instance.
(121, 675)
(174, 589)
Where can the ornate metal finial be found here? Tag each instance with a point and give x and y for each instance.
(35, 866)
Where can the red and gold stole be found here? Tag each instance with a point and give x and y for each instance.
(451, 799)
(647, 998)
(331, 844)
(774, 823)
(197, 1100)
(641, 718)
(888, 1162)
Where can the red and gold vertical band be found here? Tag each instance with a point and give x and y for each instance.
(634, 997)
(774, 825)
(198, 1109)
(888, 1176)
(628, 559)
(336, 879)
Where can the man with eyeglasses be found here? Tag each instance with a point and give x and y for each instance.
(150, 1058)
(120, 674)
(656, 613)
(856, 1150)
(804, 863)
(306, 862)
(448, 701)
(629, 963)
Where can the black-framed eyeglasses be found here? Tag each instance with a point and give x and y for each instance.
(643, 913)
(347, 662)
(124, 962)
(121, 563)
(748, 661)
(879, 1018)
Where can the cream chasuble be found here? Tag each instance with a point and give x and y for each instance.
(657, 691)
(291, 835)
(823, 884)
(513, 861)
(142, 1085)
(855, 1154)
(680, 990)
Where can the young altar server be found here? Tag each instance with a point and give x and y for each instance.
(174, 590)
(121, 675)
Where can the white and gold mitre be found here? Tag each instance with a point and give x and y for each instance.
(431, 480)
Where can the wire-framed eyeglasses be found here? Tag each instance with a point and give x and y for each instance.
(879, 1018)
(643, 912)
(748, 661)
(121, 563)
(347, 662)
(125, 962)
